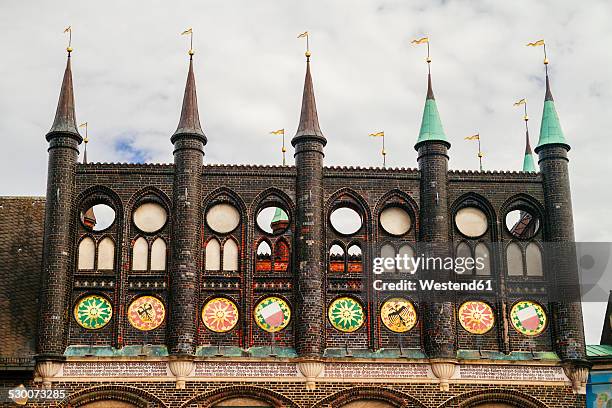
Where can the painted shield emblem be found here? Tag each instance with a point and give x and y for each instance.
(346, 314)
(398, 315)
(146, 313)
(476, 317)
(220, 315)
(272, 314)
(93, 312)
(528, 318)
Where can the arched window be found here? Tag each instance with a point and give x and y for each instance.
(514, 259)
(534, 260)
(140, 255)
(106, 254)
(230, 255)
(213, 255)
(464, 251)
(263, 261)
(408, 251)
(483, 255)
(87, 253)
(281, 255)
(355, 258)
(158, 255)
(336, 258)
(387, 251)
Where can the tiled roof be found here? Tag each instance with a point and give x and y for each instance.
(21, 239)
(597, 351)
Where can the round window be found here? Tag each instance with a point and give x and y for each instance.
(223, 218)
(395, 221)
(471, 222)
(98, 217)
(522, 224)
(273, 220)
(150, 217)
(345, 220)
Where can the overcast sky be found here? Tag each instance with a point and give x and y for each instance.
(129, 66)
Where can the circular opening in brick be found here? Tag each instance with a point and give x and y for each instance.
(150, 217)
(98, 217)
(522, 224)
(471, 222)
(345, 220)
(273, 220)
(223, 218)
(395, 221)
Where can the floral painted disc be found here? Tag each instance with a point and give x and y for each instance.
(272, 314)
(220, 315)
(146, 313)
(528, 318)
(93, 312)
(398, 315)
(476, 317)
(346, 314)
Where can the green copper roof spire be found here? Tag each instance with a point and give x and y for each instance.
(431, 125)
(279, 215)
(528, 162)
(550, 129)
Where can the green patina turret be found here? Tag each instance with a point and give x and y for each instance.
(431, 125)
(280, 221)
(528, 162)
(550, 129)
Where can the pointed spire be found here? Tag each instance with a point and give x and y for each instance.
(528, 162)
(309, 120)
(550, 128)
(189, 123)
(431, 125)
(65, 121)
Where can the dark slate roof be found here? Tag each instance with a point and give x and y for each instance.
(21, 239)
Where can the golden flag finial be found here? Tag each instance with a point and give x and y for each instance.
(383, 151)
(538, 44)
(423, 40)
(281, 132)
(307, 35)
(69, 31)
(523, 102)
(189, 32)
(84, 125)
(480, 155)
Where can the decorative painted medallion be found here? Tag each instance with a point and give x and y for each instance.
(398, 315)
(220, 315)
(93, 312)
(476, 317)
(146, 313)
(346, 314)
(272, 314)
(528, 318)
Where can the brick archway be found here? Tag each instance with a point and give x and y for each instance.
(483, 398)
(128, 396)
(391, 397)
(210, 399)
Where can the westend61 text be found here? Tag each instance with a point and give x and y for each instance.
(430, 285)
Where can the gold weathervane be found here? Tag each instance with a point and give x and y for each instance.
(480, 153)
(189, 32)
(69, 31)
(423, 40)
(383, 151)
(540, 43)
(281, 132)
(85, 140)
(307, 35)
(522, 102)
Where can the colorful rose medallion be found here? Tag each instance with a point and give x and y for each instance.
(146, 313)
(528, 318)
(346, 314)
(220, 315)
(398, 315)
(93, 312)
(272, 314)
(476, 317)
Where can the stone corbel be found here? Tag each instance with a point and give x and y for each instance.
(181, 367)
(310, 369)
(578, 373)
(46, 370)
(443, 370)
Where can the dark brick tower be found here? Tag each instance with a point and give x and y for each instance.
(309, 143)
(432, 147)
(189, 141)
(552, 153)
(60, 214)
